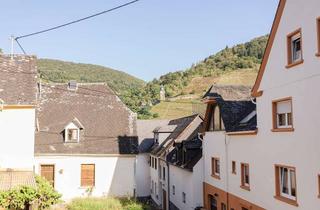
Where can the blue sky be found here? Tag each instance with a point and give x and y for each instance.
(146, 40)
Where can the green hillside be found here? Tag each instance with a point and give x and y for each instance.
(61, 72)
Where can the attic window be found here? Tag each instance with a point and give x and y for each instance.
(215, 120)
(72, 131)
(73, 134)
(294, 42)
(72, 85)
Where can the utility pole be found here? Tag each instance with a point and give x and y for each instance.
(12, 45)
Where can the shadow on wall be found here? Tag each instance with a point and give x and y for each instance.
(123, 179)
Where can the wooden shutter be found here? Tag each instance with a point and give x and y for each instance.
(87, 175)
(47, 172)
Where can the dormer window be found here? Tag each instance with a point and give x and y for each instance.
(294, 41)
(73, 134)
(215, 120)
(72, 131)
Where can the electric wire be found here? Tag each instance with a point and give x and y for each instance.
(72, 22)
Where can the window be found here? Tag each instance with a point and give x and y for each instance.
(215, 120)
(245, 178)
(155, 163)
(164, 173)
(47, 172)
(223, 206)
(152, 188)
(152, 162)
(213, 203)
(215, 164)
(72, 134)
(286, 188)
(87, 175)
(234, 167)
(155, 188)
(318, 35)
(282, 115)
(184, 197)
(173, 190)
(294, 42)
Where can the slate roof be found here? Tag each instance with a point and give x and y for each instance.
(181, 132)
(233, 112)
(10, 179)
(109, 127)
(18, 80)
(145, 131)
(229, 92)
(193, 154)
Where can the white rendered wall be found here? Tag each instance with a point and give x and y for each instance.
(114, 176)
(17, 127)
(154, 173)
(143, 175)
(189, 182)
(298, 149)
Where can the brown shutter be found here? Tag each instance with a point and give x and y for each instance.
(87, 175)
(47, 172)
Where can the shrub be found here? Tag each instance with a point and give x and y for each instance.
(19, 198)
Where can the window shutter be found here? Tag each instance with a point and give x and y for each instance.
(284, 107)
(87, 175)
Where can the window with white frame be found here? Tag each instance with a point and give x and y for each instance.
(286, 183)
(294, 47)
(215, 167)
(72, 134)
(282, 114)
(245, 177)
(184, 197)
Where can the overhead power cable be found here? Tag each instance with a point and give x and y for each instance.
(72, 22)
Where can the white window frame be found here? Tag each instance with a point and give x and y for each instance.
(288, 182)
(246, 166)
(287, 120)
(293, 51)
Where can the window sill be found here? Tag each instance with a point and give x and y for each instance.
(287, 200)
(282, 129)
(215, 176)
(294, 64)
(245, 187)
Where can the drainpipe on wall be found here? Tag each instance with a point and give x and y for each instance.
(168, 184)
(227, 167)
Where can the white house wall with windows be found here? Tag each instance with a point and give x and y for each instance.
(276, 165)
(86, 141)
(18, 97)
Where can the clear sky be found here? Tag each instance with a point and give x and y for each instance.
(147, 39)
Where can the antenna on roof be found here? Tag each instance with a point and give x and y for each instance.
(12, 39)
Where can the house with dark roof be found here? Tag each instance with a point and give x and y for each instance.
(177, 132)
(86, 140)
(146, 138)
(268, 156)
(18, 101)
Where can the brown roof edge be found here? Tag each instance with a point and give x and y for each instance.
(255, 90)
(242, 133)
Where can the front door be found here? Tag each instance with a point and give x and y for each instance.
(164, 200)
(47, 172)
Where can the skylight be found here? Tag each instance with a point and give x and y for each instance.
(248, 117)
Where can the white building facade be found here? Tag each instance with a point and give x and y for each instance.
(276, 166)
